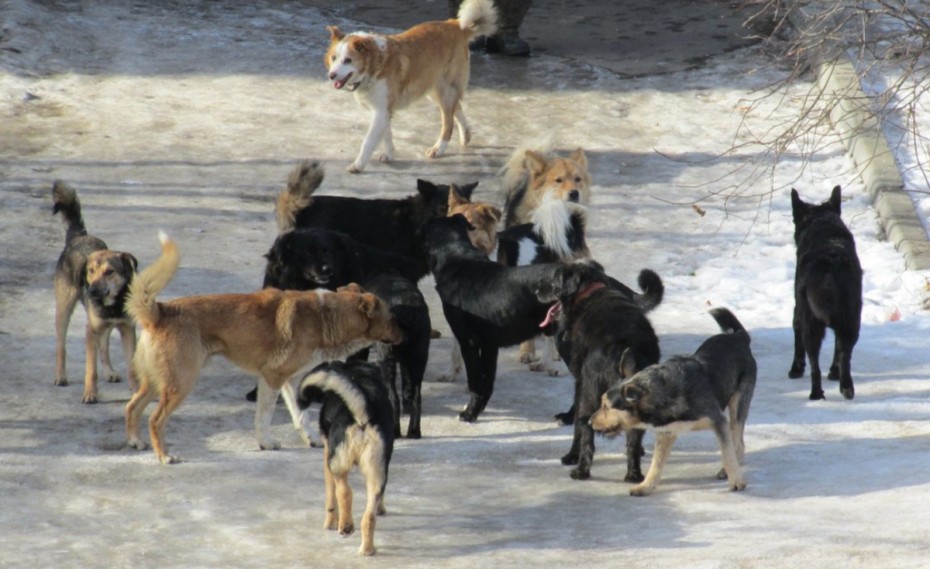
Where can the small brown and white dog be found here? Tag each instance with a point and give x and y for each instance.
(388, 73)
(99, 277)
(272, 333)
(532, 173)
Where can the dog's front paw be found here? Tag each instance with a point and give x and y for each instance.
(386, 158)
(796, 372)
(848, 392)
(435, 152)
(270, 444)
(137, 444)
(347, 529)
(169, 459)
(61, 381)
(570, 459)
(817, 394)
(580, 474)
(367, 550)
(634, 476)
(89, 398)
(114, 378)
(528, 358)
(722, 474)
(355, 168)
(468, 416)
(329, 522)
(834, 373)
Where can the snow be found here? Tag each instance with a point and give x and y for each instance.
(197, 140)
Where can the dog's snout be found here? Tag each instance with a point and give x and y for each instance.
(574, 196)
(332, 75)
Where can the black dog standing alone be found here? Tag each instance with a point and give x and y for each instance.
(827, 291)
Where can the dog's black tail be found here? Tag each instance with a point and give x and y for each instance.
(65, 200)
(727, 321)
(304, 180)
(327, 380)
(653, 290)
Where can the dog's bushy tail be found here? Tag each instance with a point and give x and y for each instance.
(478, 17)
(141, 303)
(65, 200)
(326, 380)
(727, 321)
(303, 181)
(552, 221)
(653, 290)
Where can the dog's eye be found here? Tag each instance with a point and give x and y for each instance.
(577, 179)
(108, 272)
(332, 57)
(347, 60)
(558, 180)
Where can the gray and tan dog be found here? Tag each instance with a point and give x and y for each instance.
(99, 278)
(688, 393)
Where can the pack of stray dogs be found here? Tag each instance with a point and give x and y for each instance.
(341, 316)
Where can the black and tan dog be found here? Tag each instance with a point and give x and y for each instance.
(596, 325)
(357, 425)
(827, 291)
(687, 393)
(273, 334)
(99, 278)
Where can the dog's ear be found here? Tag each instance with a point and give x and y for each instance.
(361, 44)
(535, 162)
(466, 190)
(570, 281)
(368, 304)
(579, 156)
(426, 188)
(631, 393)
(133, 263)
(796, 202)
(455, 197)
(335, 34)
(351, 287)
(628, 367)
(495, 213)
(835, 198)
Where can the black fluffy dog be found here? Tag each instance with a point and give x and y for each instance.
(827, 291)
(356, 422)
(488, 305)
(306, 259)
(387, 224)
(596, 325)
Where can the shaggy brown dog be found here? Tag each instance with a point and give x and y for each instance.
(530, 174)
(271, 333)
(388, 73)
(99, 277)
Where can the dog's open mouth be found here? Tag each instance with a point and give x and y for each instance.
(340, 83)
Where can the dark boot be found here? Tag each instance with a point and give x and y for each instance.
(506, 41)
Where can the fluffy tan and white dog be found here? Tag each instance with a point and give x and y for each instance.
(272, 333)
(532, 172)
(388, 73)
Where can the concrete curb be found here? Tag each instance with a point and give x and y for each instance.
(860, 131)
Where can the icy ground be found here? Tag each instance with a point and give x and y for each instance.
(190, 119)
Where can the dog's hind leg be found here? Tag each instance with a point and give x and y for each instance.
(734, 473)
(137, 404)
(388, 144)
(462, 123)
(797, 364)
(344, 502)
(845, 342)
(481, 367)
(331, 507)
(528, 352)
(447, 98)
(173, 393)
(664, 443)
(412, 382)
(812, 333)
(374, 476)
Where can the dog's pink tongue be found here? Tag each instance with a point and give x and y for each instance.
(339, 83)
(551, 314)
